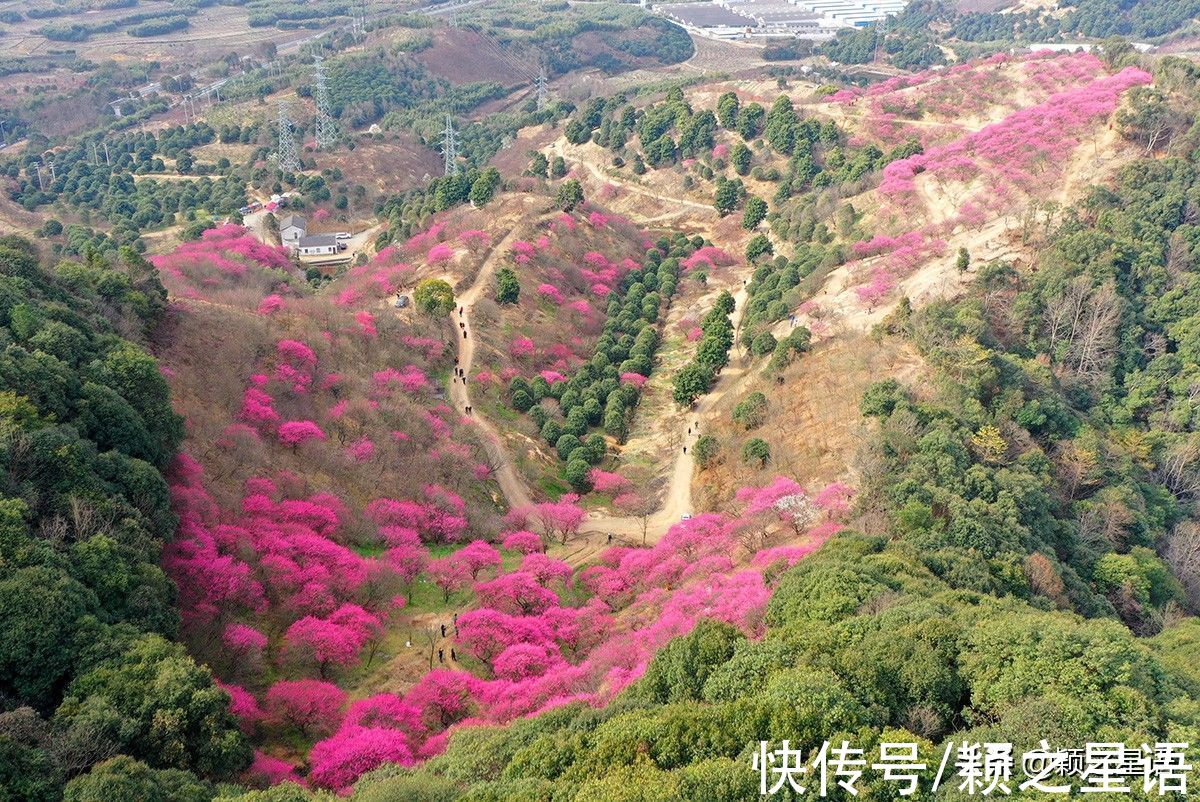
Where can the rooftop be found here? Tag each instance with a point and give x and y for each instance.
(318, 241)
(705, 15)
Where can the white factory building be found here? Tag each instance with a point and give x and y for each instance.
(809, 19)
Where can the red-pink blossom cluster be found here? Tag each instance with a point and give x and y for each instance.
(439, 253)
(521, 348)
(550, 293)
(709, 256)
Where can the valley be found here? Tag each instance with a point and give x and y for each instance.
(542, 401)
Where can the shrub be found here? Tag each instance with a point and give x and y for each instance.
(751, 412)
(508, 289)
(434, 297)
(577, 474)
(756, 451)
(706, 450)
(763, 344)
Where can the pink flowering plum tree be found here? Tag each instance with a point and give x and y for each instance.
(309, 706)
(480, 556)
(524, 541)
(518, 593)
(342, 758)
(295, 433)
(444, 698)
(450, 573)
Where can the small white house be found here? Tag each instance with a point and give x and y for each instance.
(318, 245)
(292, 229)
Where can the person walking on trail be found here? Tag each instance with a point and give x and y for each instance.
(453, 656)
(443, 630)
(441, 656)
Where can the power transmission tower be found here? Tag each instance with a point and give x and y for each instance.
(543, 93)
(287, 157)
(326, 133)
(450, 147)
(359, 25)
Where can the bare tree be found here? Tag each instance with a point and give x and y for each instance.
(1183, 555)
(1180, 470)
(1081, 326)
(430, 633)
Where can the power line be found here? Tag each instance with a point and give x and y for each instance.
(326, 133)
(509, 58)
(287, 157)
(450, 148)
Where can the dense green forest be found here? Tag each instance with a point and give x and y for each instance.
(1097, 19)
(88, 666)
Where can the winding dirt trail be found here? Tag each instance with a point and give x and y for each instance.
(511, 485)
(676, 206)
(593, 534)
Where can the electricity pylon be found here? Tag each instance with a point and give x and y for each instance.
(450, 147)
(326, 133)
(287, 156)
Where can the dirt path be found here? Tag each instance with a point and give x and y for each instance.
(678, 499)
(676, 206)
(511, 485)
(593, 535)
(592, 538)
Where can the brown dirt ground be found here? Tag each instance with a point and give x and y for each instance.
(397, 163)
(814, 426)
(462, 56)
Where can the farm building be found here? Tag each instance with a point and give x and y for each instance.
(318, 245)
(292, 229)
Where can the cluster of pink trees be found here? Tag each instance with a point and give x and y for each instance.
(709, 256)
(226, 261)
(974, 89)
(335, 640)
(541, 653)
(1023, 156)
(440, 518)
(1027, 151)
(279, 595)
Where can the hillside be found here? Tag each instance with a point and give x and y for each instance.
(688, 417)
